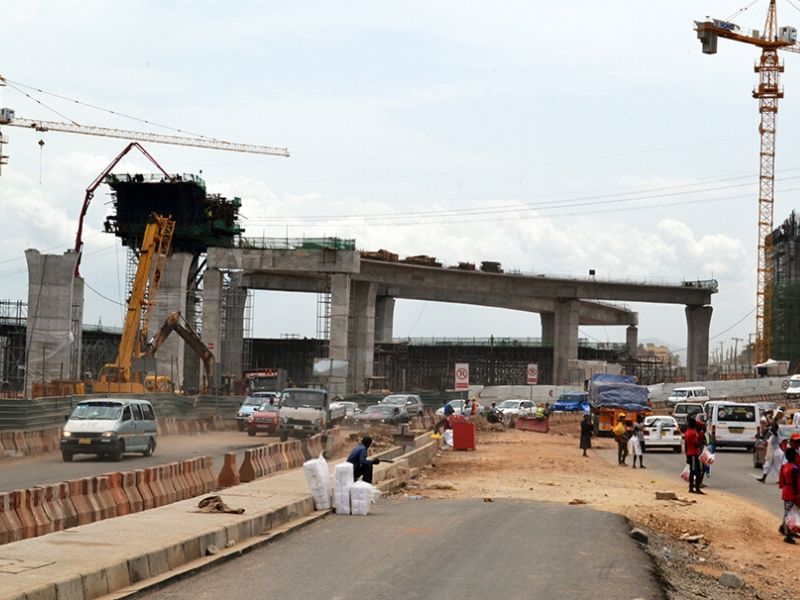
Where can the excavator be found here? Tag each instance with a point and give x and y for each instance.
(183, 329)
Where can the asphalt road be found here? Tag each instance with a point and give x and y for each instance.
(443, 549)
(732, 473)
(17, 473)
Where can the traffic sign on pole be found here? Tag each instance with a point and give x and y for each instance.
(533, 374)
(462, 376)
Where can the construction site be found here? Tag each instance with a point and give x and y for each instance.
(487, 465)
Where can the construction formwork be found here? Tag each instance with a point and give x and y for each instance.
(785, 293)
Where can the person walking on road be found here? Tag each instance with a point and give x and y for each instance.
(587, 430)
(774, 457)
(790, 492)
(637, 444)
(362, 466)
(693, 443)
(621, 437)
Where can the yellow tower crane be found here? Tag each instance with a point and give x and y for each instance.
(768, 92)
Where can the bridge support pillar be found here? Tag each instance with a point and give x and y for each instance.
(212, 309)
(55, 318)
(339, 329)
(171, 298)
(698, 322)
(234, 297)
(548, 327)
(632, 340)
(565, 338)
(361, 351)
(384, 319)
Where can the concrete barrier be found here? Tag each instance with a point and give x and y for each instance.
(24, 513)
(67, 506)
(248, 471)
(144, 490)
(131, 491)
(52, 506)
(229, 475)
(11, 528)
(115, 484)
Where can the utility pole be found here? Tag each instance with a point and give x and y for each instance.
(736, 341)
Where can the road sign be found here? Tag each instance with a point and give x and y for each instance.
(533, 374)
(462, 376)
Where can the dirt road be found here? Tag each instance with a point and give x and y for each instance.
(738, 535)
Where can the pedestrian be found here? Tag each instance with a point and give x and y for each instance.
(637, 444)
(473, 412)
(796, 419)
(448, 410)
(587, 430)
(362, 466)
(621, 437)
(693, 445)
(774, 457)
(711, 444)
(790, 492)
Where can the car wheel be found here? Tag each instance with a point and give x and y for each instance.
(677, 449)
(240, 425)
(251, 432)
(151, 447)
(66, 455)
(118, 452)
(284, 436)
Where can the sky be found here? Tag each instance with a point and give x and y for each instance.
(553, 137)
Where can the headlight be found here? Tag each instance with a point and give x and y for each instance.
(107, 434)
(241, 414)
(66, 434)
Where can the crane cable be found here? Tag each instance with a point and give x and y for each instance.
(741, 10)
(50, 108)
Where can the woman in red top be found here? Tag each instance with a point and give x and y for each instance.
(694, 442)
(790, 491)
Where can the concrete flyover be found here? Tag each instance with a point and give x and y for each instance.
(363, 293)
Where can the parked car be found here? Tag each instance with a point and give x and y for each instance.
(250, 404)
(264, 419)
(661, 431)
(351, 409)
(517, 408)
(792, 389)
(458, 407)
(571, 402)
(688, 394)
(382, 413)
(109, 427)
(682, 411)
(411, 402)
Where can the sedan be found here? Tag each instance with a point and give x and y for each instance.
(351, 409)
(662, 432)
(263, 420)
(382, 413)
(517, 408)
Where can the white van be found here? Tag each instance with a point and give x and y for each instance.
(109, 427)
(733, 424)
(695, 393)
(792, 387)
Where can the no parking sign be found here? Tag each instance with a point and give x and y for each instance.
(533, 374)
(462, 376)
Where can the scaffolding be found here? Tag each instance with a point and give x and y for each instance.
(785, 302)
(13, 319)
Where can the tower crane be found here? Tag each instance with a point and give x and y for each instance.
(8, 117)
(768, 92)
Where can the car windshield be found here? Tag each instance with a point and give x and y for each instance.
(109, 411)
(654, 421)
(267, 407)
(509, 404)
(397, 400)
(794, 383)
(679, 393)
(253, 401)
(307, 398)
(378, 408)
(736, 413)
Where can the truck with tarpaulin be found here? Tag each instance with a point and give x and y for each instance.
(614, 395)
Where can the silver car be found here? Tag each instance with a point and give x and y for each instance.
(410, 402)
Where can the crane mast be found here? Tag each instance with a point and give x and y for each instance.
(768, 92)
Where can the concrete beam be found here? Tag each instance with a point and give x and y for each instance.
(502, 284)
(289, 261)
(632, 339)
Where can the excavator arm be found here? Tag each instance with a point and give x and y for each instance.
(175, 322)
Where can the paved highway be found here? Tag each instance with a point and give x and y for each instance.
(732, 473)
(443, 549)
(17, 473)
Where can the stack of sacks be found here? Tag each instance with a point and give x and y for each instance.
(342, 481)
(316, 471)
(362, 495)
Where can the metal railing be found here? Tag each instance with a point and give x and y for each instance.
(301, 243)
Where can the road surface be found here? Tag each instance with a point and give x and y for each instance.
(732, 473)
(18, 473)
(443, 549)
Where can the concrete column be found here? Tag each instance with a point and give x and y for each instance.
(698, 322)
(212, 311)
(171, 298)
(565, 338)
(55, 304)
(548, 328)
(384, 319)
(632, 339)
(361, 351)
(339, 329)
(233, 301)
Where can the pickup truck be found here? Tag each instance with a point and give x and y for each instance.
(305, 412)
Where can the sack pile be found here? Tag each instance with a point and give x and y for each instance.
(342, 482)
(316, 471)
(362, 496)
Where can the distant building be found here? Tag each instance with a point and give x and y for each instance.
(785, 297)
(662, 354)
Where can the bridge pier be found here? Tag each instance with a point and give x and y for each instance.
(361, 346)
(565, 338)
(632, 339)
(384, 319)
(698, 321)
(339, 329)
(212, 309)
